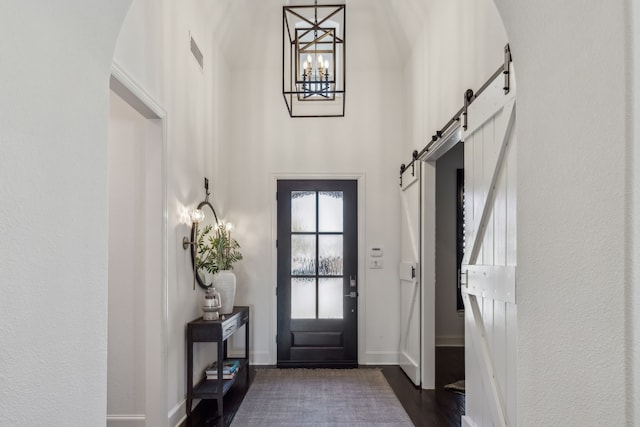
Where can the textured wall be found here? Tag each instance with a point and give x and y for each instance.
(570, 60)
(56, 59)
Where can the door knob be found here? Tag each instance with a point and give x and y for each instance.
(352, 294)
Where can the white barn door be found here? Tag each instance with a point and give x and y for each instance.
(410, 310)
(489, 263)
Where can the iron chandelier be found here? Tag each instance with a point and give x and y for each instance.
(313, 60)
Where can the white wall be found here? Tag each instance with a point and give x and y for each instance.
(449, 323)
(154, 50)
(570, 62)
(263, 141)
(458, 47)
(55, 67)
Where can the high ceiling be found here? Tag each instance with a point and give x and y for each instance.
(386, 28)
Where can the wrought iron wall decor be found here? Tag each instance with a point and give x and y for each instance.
(313, 60)
(204, 215)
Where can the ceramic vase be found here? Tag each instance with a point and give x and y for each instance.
(225, 282)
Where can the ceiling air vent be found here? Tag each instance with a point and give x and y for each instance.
(195, 50)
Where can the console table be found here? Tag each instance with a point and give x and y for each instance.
(215, 331)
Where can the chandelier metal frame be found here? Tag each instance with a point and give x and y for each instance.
(313, 60)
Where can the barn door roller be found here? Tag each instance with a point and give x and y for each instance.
(506, 69)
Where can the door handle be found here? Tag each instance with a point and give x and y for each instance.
(464, 278)
(352, 294)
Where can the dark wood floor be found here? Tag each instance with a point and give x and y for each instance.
(432, 408)
(426, 408)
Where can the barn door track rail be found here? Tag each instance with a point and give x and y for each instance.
(461, 114)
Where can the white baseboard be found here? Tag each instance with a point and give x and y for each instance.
(180, 421)
(370, 358)
(261, 358)
(410, 367)
(126, 420)
(380, 358)
(450, 341)
(178, 413)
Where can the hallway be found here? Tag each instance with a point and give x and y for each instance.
(578, 181)
(426, 408)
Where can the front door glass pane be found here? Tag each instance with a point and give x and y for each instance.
(330, 256)
(303, 254)
(330, 298)
(330, 211)
(316, 252)
(303, 298)
(303, 211)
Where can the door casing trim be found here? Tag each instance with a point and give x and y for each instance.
(273, 315)
(156, 337)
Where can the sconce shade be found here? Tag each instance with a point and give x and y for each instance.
(313, 60)
(197, 216)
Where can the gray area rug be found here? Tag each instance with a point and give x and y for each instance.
(320, 397)
(458, 387)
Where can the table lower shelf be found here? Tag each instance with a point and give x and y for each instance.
(208, 389)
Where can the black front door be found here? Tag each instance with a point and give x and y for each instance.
(317, 267)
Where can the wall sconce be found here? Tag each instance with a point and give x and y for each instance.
(196, 215)
(225, 227)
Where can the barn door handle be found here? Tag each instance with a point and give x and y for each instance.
(464, 277)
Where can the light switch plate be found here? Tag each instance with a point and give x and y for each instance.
(375, 263)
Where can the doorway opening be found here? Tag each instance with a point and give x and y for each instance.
(438, 236)
(449, 232)
(449, 247)
(136, 342)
